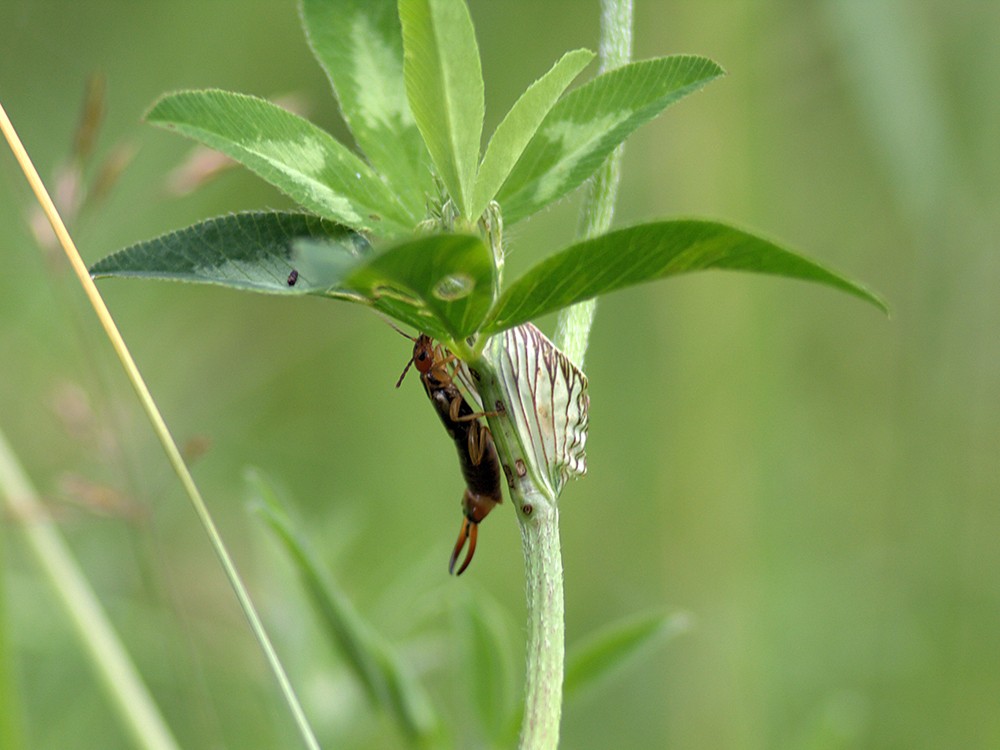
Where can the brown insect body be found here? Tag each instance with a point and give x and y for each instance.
(477, 454)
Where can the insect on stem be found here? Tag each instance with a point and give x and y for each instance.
(477, 453)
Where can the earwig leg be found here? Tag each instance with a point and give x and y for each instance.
(456, 404)
(468, 531)
(441, 359)
(477, 444)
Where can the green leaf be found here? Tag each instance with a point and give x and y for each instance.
(590, 122)
(521, 123)
(251, 251)
(647, 252)
(485, 660)
(390, 685)
(359, 44)
(601, 654)
(291, 153)
(444, 84)
(440, 284)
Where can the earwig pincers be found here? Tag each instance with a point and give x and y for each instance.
(476, 452)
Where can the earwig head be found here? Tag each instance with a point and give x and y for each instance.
(423, 355)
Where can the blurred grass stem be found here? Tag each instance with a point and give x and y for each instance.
(156, 419)
(574, 323)
(115, 669)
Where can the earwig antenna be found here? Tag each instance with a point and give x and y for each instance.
(405, 335)
(405, 369)
(394, 327)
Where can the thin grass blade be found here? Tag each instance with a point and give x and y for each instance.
(111, 661)
(390, 685)
(485, 661)
(613, 647)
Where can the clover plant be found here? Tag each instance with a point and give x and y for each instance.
(413, 228)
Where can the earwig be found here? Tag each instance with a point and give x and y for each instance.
(476, 452)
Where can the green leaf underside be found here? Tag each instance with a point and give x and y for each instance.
(605, 651)
(590, 122)
(521, 123)
(440, 284)
(359, 44)
(389, 685)
(291, 153)
(444, 85)
(647, 252)
(250, 251)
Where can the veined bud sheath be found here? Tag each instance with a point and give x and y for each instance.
(545, 399)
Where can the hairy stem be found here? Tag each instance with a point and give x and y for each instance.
(546, 628)
(573, 326)
(538, 516)
(536, 504)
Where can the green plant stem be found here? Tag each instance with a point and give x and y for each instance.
(538, 518)
(159, 425)
(546, 627)
(574, 323)
(117, 673)
(536, 505)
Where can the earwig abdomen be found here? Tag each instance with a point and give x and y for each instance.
(477, 454)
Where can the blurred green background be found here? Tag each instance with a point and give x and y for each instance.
(816, 485)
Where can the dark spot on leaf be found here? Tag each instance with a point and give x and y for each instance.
(522, 470)
(293, 277)
(527, 509)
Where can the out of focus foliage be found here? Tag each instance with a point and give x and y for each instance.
(815, 484)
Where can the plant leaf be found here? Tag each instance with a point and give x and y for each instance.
(647, 252)
(444, 84)
(251, 251)
(440, 284)
(520, 124)
(610, 648)
(291, 153)
(390, 685)
(359, 44)
(589, 122)
(485, 661)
